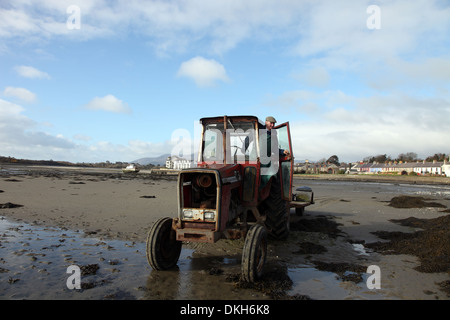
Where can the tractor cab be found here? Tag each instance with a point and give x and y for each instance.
(244, 140)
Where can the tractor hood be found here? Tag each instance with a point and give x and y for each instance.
(229, 173)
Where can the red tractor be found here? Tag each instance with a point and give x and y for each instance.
(241, 188)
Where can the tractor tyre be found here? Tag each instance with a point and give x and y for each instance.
(254, 253)
(163, 250)
(274, 207)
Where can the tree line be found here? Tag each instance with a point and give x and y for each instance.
(409, 156)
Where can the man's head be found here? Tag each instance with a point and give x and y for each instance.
(270, 123)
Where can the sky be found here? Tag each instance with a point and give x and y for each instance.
(97, 80)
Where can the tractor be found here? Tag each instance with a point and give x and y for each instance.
(240, 188)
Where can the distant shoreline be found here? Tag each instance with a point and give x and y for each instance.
(324, 177)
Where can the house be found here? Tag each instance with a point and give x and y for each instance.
(391, 167)
(446, 167)
(306, 167)
(400, 167)
(363, 167)
(428, 167)
(376, 167)
(405, 167)
(331, 168)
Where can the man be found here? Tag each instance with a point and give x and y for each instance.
(269, 160)
(270, 123)
(266, 148)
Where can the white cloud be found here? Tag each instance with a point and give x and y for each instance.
(371, 126)
(18, 133)
(20, 93)
(11, 112)
(31, 72)
(338, 30)
(204, 72)
(108, 103)
(333, 30)
(20, 137)
(170, 25)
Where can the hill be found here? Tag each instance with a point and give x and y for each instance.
(160, 160)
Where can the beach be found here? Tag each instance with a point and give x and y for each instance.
(53, 218)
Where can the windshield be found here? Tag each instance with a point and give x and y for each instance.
(240, 143)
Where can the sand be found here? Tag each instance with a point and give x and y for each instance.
(108, 205)
(94, 210)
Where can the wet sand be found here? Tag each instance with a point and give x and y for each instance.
(54, 218)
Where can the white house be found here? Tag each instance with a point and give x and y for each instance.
(420, 167)
(428, 167)
(446, 167)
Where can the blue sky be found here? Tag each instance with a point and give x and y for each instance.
(90, 81)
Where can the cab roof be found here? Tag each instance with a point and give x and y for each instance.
(242, 118)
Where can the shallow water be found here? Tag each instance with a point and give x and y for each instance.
(380, 187)
(326, 285)
(34, 261)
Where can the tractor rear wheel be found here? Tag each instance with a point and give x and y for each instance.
(163, 250)
(274, 208)
(254, 253)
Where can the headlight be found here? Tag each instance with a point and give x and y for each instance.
(188, 214)
(209, 215)
(198, 214)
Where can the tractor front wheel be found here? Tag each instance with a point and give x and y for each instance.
(254, 253)
(163, 250)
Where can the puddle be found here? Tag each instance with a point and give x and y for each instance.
(34, 261)
(12, 171)
(322, 285)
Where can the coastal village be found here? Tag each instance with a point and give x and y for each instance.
(174, 163)
(435, 168)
